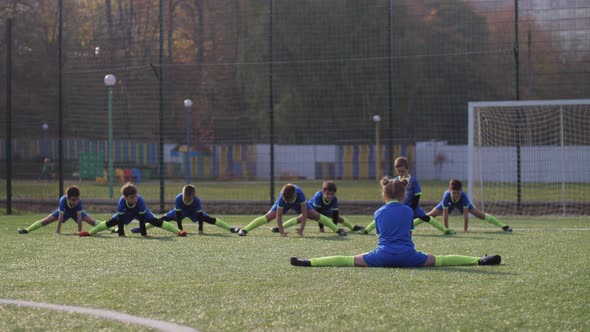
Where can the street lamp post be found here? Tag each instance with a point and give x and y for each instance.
(187, 105)
(110, 80)
(45, 148)
(377, 120)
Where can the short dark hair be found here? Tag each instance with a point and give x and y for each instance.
(128, 189)
(456, 184)
(189, 190)
(288, 192)
(402, 162)
(329, 186)
(73, 191)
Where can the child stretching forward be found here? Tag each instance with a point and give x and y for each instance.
(132, 206)
(188, 205)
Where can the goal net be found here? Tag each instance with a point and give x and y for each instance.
(529, 157)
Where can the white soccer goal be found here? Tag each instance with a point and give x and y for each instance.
(529, 157)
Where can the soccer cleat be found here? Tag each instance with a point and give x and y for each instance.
(135, 230)
(449, 231)
(341, 232)
(22, 231)
(234, 229)
(357, 228)
(84, 233)
(299, 261)
(274, 229)
(507, 229)
(242, 232)
(182, 233)
(363, 232)
(490, 260)
(115, 230)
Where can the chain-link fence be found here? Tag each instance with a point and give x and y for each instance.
(288, 86)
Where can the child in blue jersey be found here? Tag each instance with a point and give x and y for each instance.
(412, 198)
(70, 207)
(291, 197)
(188, 205)
(132, 206)
(394, 223)
(325, 203)
(456, 198)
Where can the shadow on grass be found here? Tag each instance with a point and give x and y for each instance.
(469, 269)
(222, 235)
(131, 238)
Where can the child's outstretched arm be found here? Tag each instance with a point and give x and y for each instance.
(60, 220)
(303, 218)
(465, 218)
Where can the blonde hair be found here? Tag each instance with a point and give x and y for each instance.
(393, 189)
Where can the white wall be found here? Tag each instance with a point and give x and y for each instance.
(538, 163)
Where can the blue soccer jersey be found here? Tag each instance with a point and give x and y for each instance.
(393, 224)
(130, 212)
(448, 203)
(412, 190)
(326, 208)
(295, 205)
(68, 210)
(190, 210)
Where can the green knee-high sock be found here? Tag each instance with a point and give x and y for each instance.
(289, 223)
(347, 223)
(455, 260)
(327, 222)
(255, 223)
(333, 261)
(493, 220)
(222, 224)
(371, 226)
(99, 228)
(436, 224)
(34, 226)
(169, 227)
(417, 222)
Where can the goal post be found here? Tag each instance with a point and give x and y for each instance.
(529, 157)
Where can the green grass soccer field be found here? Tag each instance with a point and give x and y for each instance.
(219, 281)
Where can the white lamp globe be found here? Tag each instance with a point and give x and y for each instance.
(110, 80)
(45, 126)
(188, 103)
(376, 118)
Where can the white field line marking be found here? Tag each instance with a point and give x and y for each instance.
(107, 314)
(525, 229)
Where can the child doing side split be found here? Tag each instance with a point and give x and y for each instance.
(291, 197)
(395, 248)
(132, 206)
(412, 198)
(456, 198)
(325, 203)
(70, 207)
(188, 205)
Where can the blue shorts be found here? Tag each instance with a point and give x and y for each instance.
(451, 208)
(296, 208)
(128, 219)
(378, 258)
(193, 216)
(67, 216)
